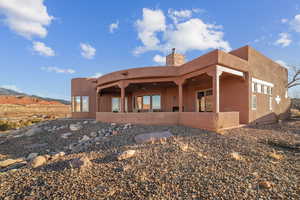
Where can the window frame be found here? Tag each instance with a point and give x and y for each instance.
(76, 103)
(155, 95)
(83, 105)
(73, 103)
(254, 102)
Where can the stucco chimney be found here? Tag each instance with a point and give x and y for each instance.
(175, 59)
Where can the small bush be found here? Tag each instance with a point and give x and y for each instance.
(4, 126)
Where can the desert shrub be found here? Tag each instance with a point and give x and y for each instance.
(4, 126)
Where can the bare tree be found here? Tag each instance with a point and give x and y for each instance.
(294, 76)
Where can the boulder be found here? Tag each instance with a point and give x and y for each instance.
(33, 131)
(66, 135)
(38, 161)
(81, 163)
(8, 162)
(152, 137)
(126, 154)
(58, 155)
(84, 139)
(93, 134)
(32, 156)
(265, 184)
(236, 156)
(75, 127)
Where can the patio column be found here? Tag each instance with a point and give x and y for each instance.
(122, 86)
(216, 88)
(180, 94)
(97, 99)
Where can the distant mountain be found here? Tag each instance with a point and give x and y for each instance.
(4, 91)
(9, 92)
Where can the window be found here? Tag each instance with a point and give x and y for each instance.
(85, 104)
(146, 102)
(254, 102)
(259, 88)
(270, 103)
(73, 104)
(268, 90)
(156, 102)
(77, 104)
(139, 103)
(255, 87)
(116, 104)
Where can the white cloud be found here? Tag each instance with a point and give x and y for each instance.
(284, 20)
(295, 23)
(26, 17)
(11, 87)
(282, 63)
(58, 70)
(159, 59)
(113, 27)
(153, 21)
(42, 49)
(87, 51)
(186, 35)
(179, 15)
(194, 34)
(284, 40)
(96, 75)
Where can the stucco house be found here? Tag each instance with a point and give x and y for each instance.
(215, 91)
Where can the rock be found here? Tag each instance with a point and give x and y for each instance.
(236, 156)
(32, 156)
(152, 137)
(84, 139)
(38, 161)
(66, 135)
(126, 126)
(75, 127)
(184, 147)
(276, 156)
(265, 184)
(85, 122)
(114, 132)
(81, 163)
(93, 134)
(58, 155)
(33, 131)
(8, 162)
(97, 139)
(126, 154)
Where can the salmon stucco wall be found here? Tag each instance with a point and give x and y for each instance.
(84, 87)
(265, 69)
(234, 97)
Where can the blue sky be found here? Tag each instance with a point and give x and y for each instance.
(44, 44)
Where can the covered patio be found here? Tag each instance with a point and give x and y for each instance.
(198, 99)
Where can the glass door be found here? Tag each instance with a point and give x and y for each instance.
(204, 101)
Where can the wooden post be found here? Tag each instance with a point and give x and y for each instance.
(122, 86)
(122, 99)
(180, 99)
(215, 74)
(180, 83)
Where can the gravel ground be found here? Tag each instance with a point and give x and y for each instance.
(194, 164)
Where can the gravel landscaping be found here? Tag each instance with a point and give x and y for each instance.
(84, 159)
